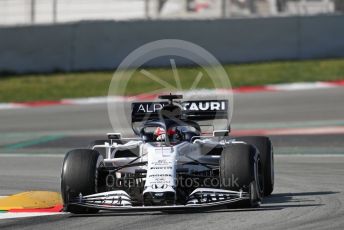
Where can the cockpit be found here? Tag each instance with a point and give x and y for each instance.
(175, 121)
(169, 131)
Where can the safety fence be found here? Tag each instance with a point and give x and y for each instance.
(19, 12)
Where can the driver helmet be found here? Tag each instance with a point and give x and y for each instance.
(160, 133)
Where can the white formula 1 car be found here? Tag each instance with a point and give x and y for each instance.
(171, 166)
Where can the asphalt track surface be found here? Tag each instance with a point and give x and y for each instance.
(309, 168)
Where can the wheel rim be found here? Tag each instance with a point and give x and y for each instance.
(260, 178)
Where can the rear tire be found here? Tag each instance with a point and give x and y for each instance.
(79, 176)
(263, 144)
(239, 169)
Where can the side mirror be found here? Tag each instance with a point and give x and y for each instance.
(220, 133)
(114, 136)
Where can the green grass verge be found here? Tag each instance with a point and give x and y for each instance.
(56, 86)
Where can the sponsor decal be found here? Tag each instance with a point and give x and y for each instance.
(162, 162)
(156, 186)
(159, 168)
(160, 175)
(154, 107)
(204, 106)
(149, 107)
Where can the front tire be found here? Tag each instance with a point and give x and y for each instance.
(264, 146)
(239, 170)
(79, 176)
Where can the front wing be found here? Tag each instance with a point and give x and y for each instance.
(200, 198)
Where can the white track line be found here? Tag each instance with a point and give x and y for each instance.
(301, 86)
(11, 106)
(51, 155)
(12, 215)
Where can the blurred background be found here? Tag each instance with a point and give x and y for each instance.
(42, 36)
(53, 50)
(22, 12)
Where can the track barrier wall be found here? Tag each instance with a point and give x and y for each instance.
(99, 45)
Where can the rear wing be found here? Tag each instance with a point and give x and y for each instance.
(193, 110)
